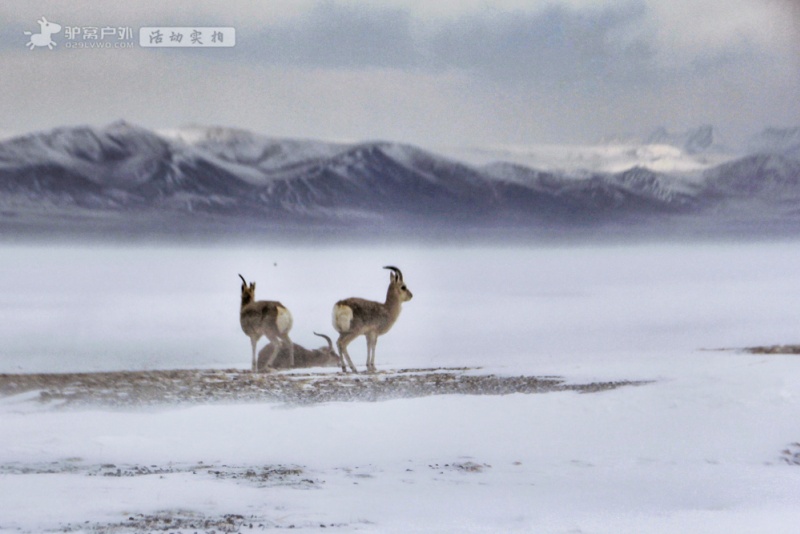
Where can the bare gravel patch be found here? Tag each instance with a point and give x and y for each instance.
(137, 388)
(189, 522)
(774, 349)
(791, 454)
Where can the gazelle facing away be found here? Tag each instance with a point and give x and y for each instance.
(265, 318)
(355, 317)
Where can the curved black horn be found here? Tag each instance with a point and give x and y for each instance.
(396, 271)
(330, 343)
(243, 280)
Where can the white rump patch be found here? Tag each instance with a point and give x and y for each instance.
(284, 320)
(342, 317)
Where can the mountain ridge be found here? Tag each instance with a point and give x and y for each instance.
(236, 179)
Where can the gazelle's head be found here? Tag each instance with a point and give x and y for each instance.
(397, 286)
(248, 292)
(329, 357)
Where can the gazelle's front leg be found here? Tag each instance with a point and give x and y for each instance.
(372, 341)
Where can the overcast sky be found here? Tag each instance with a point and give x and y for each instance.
(433, 73)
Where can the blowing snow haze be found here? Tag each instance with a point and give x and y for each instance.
(126, 180)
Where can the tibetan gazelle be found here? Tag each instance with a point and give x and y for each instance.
(355, 317)
(265, 318)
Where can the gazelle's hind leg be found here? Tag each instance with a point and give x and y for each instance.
(254, 362)
(276, 348)
(344, 357)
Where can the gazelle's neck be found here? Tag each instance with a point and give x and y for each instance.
(393, 301)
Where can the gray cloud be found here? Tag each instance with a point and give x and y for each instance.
(570, 70)
(556, 43)
(335, 36)
(589, 48)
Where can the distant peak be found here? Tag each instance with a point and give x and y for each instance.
(693, 141)
(120, 123)
(773, 139)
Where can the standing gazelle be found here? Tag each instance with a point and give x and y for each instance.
(355, 317)
(265, 318)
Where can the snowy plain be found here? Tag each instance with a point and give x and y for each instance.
(700, 448)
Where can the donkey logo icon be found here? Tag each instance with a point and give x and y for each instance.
(43, 37)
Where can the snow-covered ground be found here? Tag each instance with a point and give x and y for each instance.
(700, 449)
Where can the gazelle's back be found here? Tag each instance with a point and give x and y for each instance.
(258, 316)
(355, 313)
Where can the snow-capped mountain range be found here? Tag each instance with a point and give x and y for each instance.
(126, 178)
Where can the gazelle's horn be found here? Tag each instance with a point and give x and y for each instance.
(396, 271)
(330, 343)
(243, 280)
